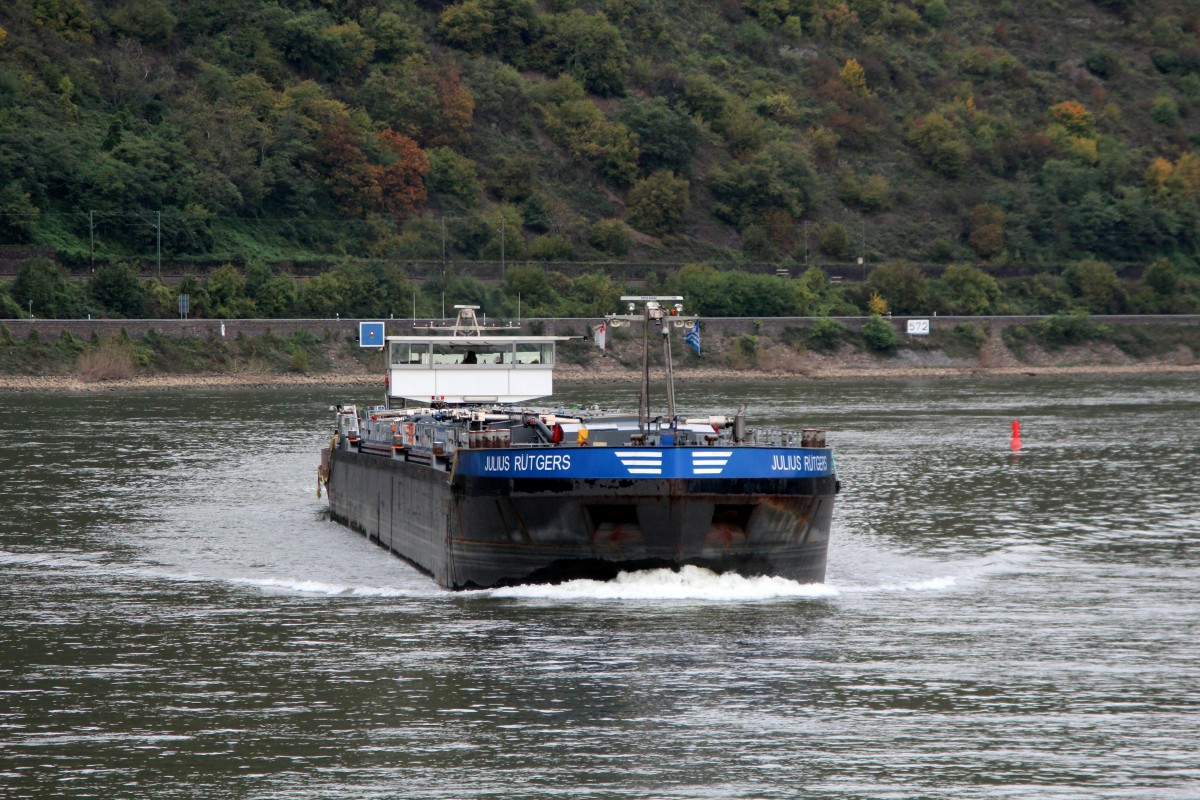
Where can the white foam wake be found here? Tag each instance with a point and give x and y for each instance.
(926, 585)
(689, 583)
(290, 586)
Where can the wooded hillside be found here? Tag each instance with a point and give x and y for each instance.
(648, 131)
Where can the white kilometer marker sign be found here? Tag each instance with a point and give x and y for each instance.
(703, 463)
(641, 462)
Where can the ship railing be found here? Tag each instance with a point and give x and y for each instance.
(780, 437)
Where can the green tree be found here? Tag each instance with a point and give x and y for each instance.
(277, 298)
(273, 296)
(777, 177)
(227, 294)
(826, 334)
(333, 51)
(422, 100)
(658, 205)
(1161, 277)
(160, 301)
(580, 126)
(968, 290)
(941, 142)
(18, 215)
(148, 21)
(737, 294)
(1164, 111)
(116, 288)
(936, 13)
(611, 236)
(324, 296)
(505, 27)
(667, 137)
(589, 48)
(834, 239)
(880, 335)
(594, 295)
(550, 247)
(902, 285)
(452, 177)
(538, 296)
(1096, 286)
(41, 285)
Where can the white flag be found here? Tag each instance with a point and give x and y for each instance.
(598, 334)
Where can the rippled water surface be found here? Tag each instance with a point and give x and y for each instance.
(178, 618)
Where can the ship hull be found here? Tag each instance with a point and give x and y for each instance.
(487, 524)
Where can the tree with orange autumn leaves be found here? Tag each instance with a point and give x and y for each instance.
(359, 185)
(402, 182)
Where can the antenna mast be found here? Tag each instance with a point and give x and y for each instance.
(662, 312)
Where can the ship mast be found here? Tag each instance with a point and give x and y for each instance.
(662, 312)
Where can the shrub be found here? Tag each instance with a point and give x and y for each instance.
(835, 240)
(452, 175)
(778, 176)
(880, 336)
(1096, 286)
(902, 285)
(986, 235)
(936, 13)
(941, 142)
(666, 135)
(968, 290)
(1164, 111)
(658, 204)
(299, 361)
(746, 346)
(610, 236)
(551, 247)
(826, 334)
(1062, 330)
(966, 338)
(1101, 63)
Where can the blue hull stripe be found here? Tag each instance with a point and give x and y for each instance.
(645, 462)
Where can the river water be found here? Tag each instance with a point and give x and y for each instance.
(179, 619)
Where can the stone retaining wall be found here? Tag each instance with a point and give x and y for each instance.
(719, 326)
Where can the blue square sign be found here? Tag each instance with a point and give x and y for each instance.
(370, 334)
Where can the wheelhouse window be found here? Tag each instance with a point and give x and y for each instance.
(530, 353)
(409, 354)
(468, 353)
(480, 354)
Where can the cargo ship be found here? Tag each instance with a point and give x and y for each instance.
(455, 473)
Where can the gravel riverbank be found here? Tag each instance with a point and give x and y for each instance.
(569, 374)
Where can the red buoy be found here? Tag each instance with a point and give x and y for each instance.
(1016, 435)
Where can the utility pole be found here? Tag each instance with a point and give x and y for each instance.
(862, 246)
(92, 236)
(443, 247)
(158, 227)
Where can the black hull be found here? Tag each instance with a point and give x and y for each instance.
(482, 532)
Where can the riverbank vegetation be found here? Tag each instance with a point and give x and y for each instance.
(121, 356)
(281, 135)
(794, 350)
(354, 290)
